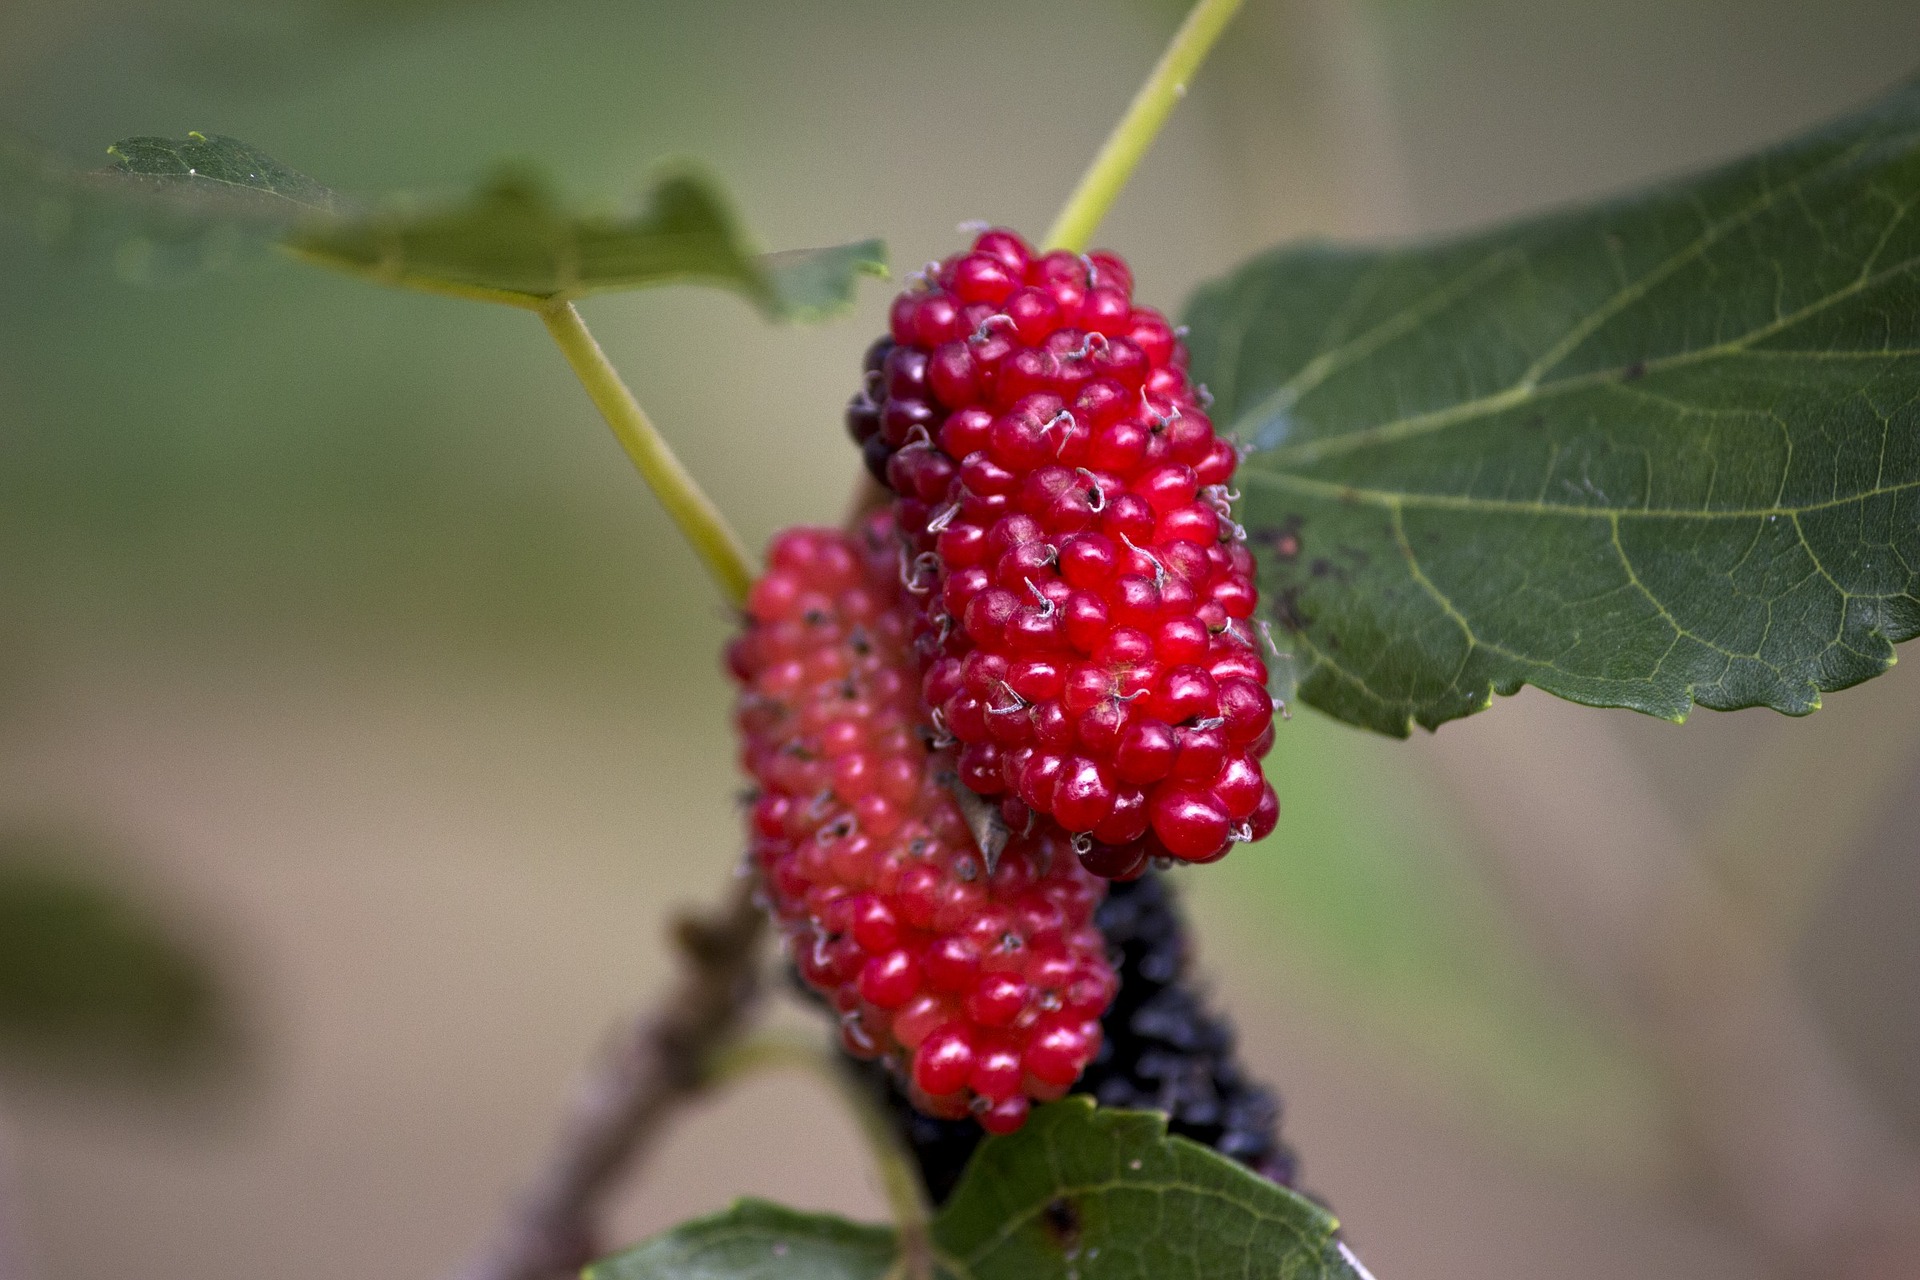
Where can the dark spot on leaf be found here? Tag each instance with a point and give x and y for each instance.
(1638, 369)
(1535, 421)
(1284, 540)
(1286, 610)
(1324, 568)
(1062, 1221)
(1349, 495)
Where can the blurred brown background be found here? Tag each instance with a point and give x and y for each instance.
(335, 629)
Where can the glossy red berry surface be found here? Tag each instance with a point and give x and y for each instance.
(983, 990)
(1083, 595)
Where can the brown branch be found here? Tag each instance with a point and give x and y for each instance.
(652, 1070)
(656, 1066)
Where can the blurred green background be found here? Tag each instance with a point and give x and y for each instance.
(342, 634)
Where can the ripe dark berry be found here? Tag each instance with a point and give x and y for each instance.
(982, 989)
(1063, 506)
(1166, 1051)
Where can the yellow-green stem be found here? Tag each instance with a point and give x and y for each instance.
(1120, 155)
(701, 523)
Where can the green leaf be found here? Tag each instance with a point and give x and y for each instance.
(512, 241)
(162, 207)
(815, 284)
(755, 1240)
(88, 978)
(1087, 1193)
(1652, 453)
(224, 173)
(1080, 1194)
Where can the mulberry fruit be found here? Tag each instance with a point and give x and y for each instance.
(1083, 594)
(981, 987)
(1162, 1050)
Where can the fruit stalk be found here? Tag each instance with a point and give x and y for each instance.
(1120, 154)
(701, 523)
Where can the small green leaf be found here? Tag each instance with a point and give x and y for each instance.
(1078, 1194)
(87, 978)
(223, 172)
(195, 201)
(816, 284)
(1097, 1194)
(162, 208)
(755, 1240)
(1653, 453)
(513, 242)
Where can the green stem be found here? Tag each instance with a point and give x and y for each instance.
(1129, 141)
(701, 523)
(899, 1176)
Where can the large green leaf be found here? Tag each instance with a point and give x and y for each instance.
(1078, 1194)
(1094, 1194)
(511, 241)
(1658, 452)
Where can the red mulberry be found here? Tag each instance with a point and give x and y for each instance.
(983, 989)
(1084, 595)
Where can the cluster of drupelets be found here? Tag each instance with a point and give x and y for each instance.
(1054, 614)
(1163, 1049)
(985, 987)
(1085, 597)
